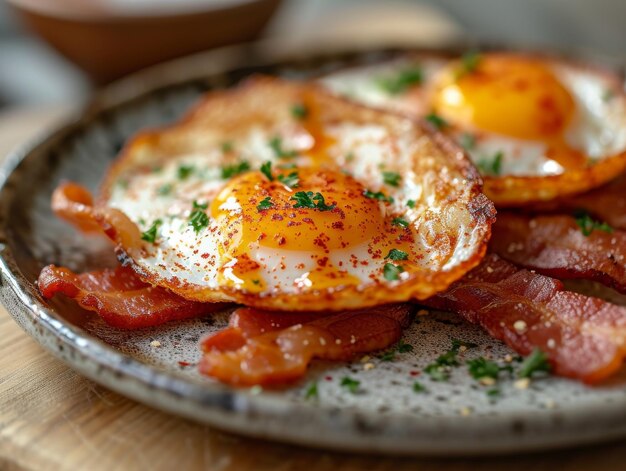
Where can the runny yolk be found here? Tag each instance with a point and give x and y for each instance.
(510, 95)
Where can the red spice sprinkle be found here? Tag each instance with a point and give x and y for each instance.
(328, 378)
(414, 373)
(184, 363)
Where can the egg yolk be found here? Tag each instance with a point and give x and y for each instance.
(275, 215)
(509, 95)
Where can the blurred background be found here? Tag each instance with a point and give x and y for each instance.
(54, 52)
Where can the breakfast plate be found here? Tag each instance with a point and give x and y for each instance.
(378, 403)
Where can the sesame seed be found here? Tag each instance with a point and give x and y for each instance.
(322, 341)
(522, 383)
(520, 326)
(155, 343)
(465, 411)
(487, 381)
(551, 343)
(489, 270)
(369, 366)
(365, 359)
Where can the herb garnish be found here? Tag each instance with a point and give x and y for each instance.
(276, 143)
(266, 203)
(458, 343)
(227, 147)
(439, 369)
(400, 222)
(535, 362)
(493, 166)
(311, 391)
(587, 224)
(266, 169)
(299, 111)
(411, 204)
(229, 171)
(395, 254)
(392, 178)
(291, 180)
(151, 234)
(401, 82)
(198, 219)
(306, 199)
(164, 190)
(350, 384)
(467, 141)
(379, 195)
(469, 63)
(184, 171)
(418, 387)
(437, 121)
(391, 272)
(482, 368)
(400, 347)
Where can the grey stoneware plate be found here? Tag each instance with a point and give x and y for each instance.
(385, 414)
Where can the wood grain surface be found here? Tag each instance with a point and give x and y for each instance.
(52, 418)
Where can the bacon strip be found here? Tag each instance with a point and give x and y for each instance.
(555, 246)
(120, 297)
(273, 348)
(607, 203)
(583, 337)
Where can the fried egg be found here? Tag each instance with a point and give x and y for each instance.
(536, 127)
(282, 196)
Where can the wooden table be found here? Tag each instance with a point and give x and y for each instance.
(52, 418)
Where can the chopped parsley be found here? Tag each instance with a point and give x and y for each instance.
(469, 63)
(184, 171)
(400, 222)
(164, 190)
(391, 272)
(467, 141)
(306, 199)
(400, 347)
(266, 203)
(437, 121)
(491, 166)
(198, 219)
(276, 143)
(494, 392)
(266, 169)
(299, 111)
(482, 368)
(439, 369)
(411, 204)
(402, 81)
(230, 171)
(587, 224)
(395, 254)
(350, 384)
(227, 147)
(418, 387)
(379, 195)
(311, 391)
(392, 178)
(151, 234)
(457, 344)
(537, 361)
(291, 180)
(403, 347)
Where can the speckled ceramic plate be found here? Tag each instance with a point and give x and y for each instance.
(385, 414)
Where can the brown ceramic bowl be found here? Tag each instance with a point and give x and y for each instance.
(108, 42)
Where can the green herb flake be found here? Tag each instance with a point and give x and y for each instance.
(164, 190)
(266, 203)
(198, 218)
(467, 141)
(299, 111)
(388, 356)
(469, 63)
(184, 171)
(311, 391)
(276, 143)
(439, 369)
(395, 254)
(404, 347)
(418, 387)
(411, 204)
(457, 344)
(266, 169)
(437, 121)
(494, 392)
(401, 222)
(227, 147)
(491, 166)
(291, 180)
(230, 171)
(151, 234)
(392, 272)
(122, 183)
(587, 224)
(402, 81)
(350, 384)
(536, 362)
(482, 368)
(379, 195)
(392, 178)
(306, 199)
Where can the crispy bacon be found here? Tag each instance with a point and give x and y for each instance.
(554, 245)
(120, 297)
(272, 348)
(583, 337)
(607, 203)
